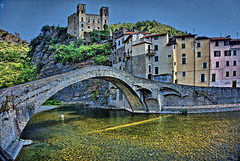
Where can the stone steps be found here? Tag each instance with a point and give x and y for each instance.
(14, 148)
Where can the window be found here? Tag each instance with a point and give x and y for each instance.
(217, 64)
(234, 52)
(199, 54)
(183, 74)
(98, 28)
(174, 63)
(234, 73)
(183, 46)
(82, 18)
(227, 53)
(156, 70)
(216, 43)
(184, 59)
(202, 79)
(227, 63)
(214, 77)
(82, 25)
(175, 73)
(204, 65)
(120, 68)
(149, 69)
(118, 42)
(198, 45)
(169, 56)
(155, 47)
(226, 42)
(234, 62)
(105, 21)
(149, 58)
(98, 20)
(155, 38)
(183, 38)
(227, 73)
(217, 53)
(89, 27)
(88, 19)
(120, 59)
(156, 58)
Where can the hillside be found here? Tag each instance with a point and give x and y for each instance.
(8, 37)
(15, 67)
(148, 26)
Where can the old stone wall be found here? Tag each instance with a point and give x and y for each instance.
(204, 96)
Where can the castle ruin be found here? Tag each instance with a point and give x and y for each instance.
(80, 22)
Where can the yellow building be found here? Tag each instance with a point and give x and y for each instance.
(191, 60)
(202, 63)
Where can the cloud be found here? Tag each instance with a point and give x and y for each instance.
(2, 5)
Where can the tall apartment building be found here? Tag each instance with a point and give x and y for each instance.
(81, 22)
(225, 59)
(191, 60)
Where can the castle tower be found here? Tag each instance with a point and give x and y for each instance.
(81, 12)
(81, 22)
(104, 13)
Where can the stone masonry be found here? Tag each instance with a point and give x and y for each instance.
(81, 22)
(143, 95)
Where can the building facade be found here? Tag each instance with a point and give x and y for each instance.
(191, 60)
(81, 22)
(225, 59)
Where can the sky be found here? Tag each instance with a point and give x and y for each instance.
(212, 18)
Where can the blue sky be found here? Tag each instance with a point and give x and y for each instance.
(208, 17)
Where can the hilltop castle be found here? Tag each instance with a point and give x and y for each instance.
(80, 22)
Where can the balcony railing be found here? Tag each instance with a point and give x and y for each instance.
(151, 52)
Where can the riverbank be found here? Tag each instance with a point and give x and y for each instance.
(175, 109)
(203, 108)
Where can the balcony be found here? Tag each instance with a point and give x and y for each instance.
(151, 52)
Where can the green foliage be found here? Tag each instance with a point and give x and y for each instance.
(54, 41)
(184, 111)
(4, 34)
(45, 28)
(102, 60)
(148, 26)
(94, 96)
(15, 66)
(98, 35)
(76, 55)
(52, 102)
(78, 43)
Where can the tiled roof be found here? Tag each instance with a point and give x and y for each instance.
(153, 35)
(130, 33)
(235, 40)
(202, 38)
(188, 35)
(219, 38)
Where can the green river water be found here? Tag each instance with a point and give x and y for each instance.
(100, 134)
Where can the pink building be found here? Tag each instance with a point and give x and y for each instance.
(225, 62)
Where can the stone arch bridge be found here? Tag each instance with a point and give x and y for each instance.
(143, 95)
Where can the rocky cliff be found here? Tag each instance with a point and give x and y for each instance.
(43, 57)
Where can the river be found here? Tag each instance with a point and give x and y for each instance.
(101, 134)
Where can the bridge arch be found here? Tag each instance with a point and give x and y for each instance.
(39, 91)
